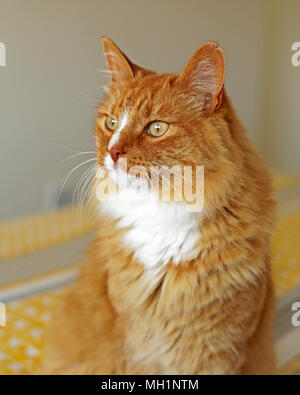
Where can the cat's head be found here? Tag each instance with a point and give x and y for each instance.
(163, 120)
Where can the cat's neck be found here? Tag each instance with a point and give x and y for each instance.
(158, 232)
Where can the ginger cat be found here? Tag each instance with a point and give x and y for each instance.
(166, 290)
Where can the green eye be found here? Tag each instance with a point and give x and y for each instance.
(157, 128)
(111, 123)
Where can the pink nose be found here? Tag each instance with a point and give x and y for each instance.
(115, 151)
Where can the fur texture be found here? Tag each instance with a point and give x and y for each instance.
(163, 290)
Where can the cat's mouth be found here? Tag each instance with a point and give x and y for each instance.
(109, 164)
(121, 176)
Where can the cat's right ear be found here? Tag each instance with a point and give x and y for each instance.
(204, 75)
(120, 67)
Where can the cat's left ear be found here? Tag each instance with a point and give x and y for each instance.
(120, 67)
(204, 75)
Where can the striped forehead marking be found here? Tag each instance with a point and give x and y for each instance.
(115, 137)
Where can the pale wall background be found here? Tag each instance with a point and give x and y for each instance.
(49, 88)
(281, 129)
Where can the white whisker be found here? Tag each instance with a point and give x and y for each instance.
(80, 181)
(90, 173)
(78, 154)
(87, 188)
(69, 175)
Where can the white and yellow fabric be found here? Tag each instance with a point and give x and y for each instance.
(34, 233)
(38, 255)
(43, 251)
(23, 336)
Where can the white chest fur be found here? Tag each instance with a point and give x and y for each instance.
(158, 231)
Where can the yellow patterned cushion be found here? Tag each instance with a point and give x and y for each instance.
(22, 338)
